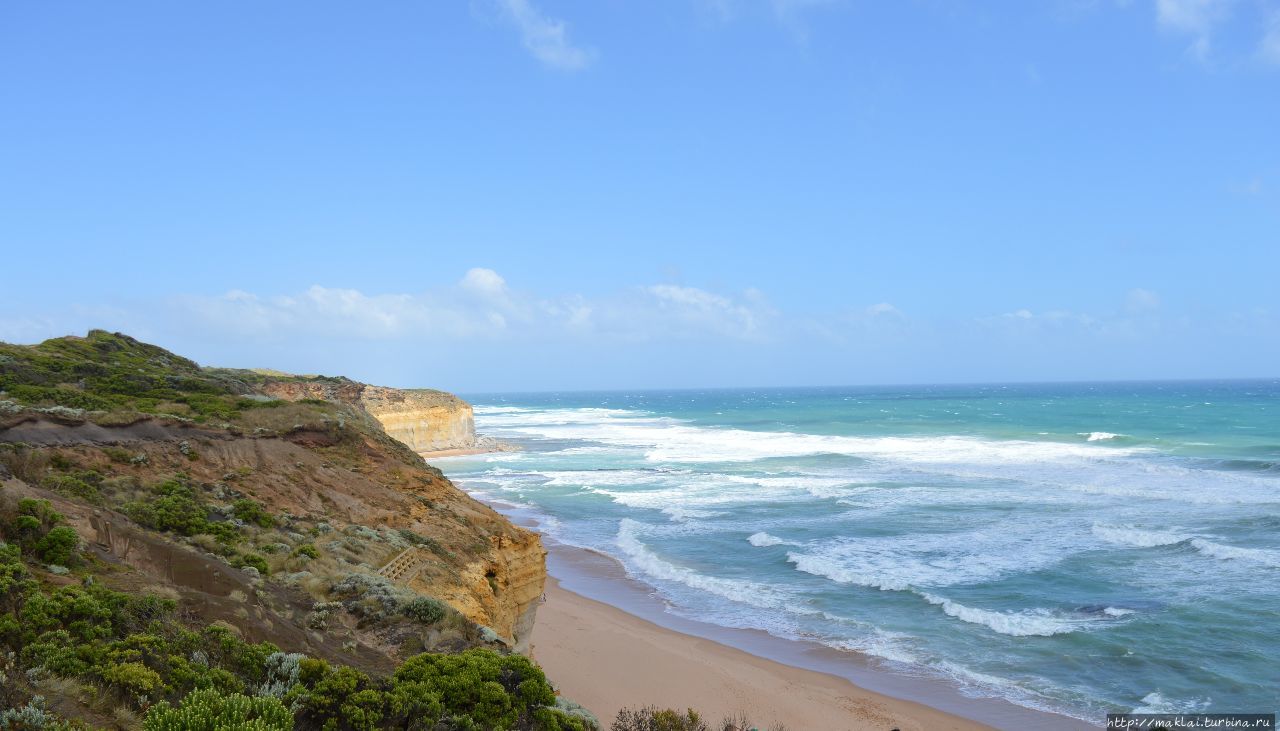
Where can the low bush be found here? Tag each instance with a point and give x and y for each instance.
(83, 484)
(37, 529)
(251, 511)
(211, 710)
(655, 719)
(134, 679)
(135, 647)
(61, 546)
(175, 506)
(424, 609)
(254, 560)
(118, 455)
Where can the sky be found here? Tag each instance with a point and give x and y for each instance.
(520, 195)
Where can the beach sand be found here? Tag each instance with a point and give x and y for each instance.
(606, 659)
(456, 452)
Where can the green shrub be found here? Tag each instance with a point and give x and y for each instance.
(35, 518)
(59, 546)
(85, 485)
(16, 585)
(118, 455)
(654, 719)
(175, 506)
(36, 529)
(307, 550)
(424, 609)
(211, 710)
(34, 715)
(254, 560)
(133, 678)
(250, 511)
(480, 686)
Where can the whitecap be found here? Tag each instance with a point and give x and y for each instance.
(643, 558)
(1022, 623)
(1129, 535)
(884, 644)
(681, 515)
(673, 440)
(1230, 553)
(763, 539)
(1155, 702)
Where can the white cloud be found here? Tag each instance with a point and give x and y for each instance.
(1194, 17)
(1269, 48)
(1142, 300)
(481, 305)
(1024, 320)
(484, 282)
(1190, 16)
(690, 310)
(546, 38)
(884, 309)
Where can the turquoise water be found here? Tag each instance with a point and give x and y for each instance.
(1079, 548)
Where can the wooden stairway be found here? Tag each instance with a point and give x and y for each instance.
(403, 567)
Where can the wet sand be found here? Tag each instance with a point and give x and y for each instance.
(606, 659)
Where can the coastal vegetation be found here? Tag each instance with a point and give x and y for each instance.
(130, 657)
(652, 718)
(181, 550)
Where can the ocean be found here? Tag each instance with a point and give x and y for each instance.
(1073, 548)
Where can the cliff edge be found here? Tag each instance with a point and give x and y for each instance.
(106, 422)
(425, 420)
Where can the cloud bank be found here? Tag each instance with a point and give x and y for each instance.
(484, 333)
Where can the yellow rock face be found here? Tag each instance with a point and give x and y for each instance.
(427, 421)
(502, 589)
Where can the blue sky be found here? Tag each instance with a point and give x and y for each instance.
(540, 194)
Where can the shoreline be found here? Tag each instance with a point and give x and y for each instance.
(605, 659)
(483, 445)
(591, 600)
(461, 452)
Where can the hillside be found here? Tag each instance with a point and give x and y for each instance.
(199, 514)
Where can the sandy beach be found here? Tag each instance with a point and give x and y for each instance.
(605, 659)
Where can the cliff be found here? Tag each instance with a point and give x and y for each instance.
(423, 419)
(106, 421)
(427, 421)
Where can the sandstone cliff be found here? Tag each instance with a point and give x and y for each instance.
(423, 419)
(332, 460)
(427, 421)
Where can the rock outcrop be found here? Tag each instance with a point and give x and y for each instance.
(423, 419)
(426, 420)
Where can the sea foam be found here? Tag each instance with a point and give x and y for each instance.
(1023, 623)
(763, 539)
(1128, 535)
(641, 557)
(1237, 553)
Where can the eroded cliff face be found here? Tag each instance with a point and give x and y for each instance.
(427, 421)
(501, 590)
(424, 419)
(474, 559)
(500, 583)
(335, 462)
